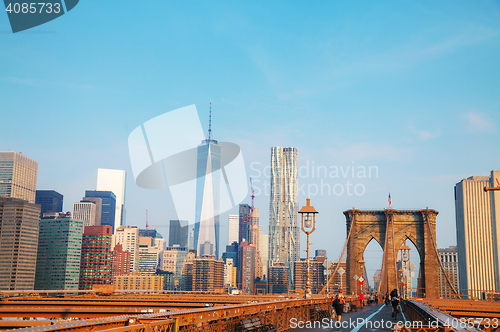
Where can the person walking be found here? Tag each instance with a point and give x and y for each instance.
(338, 305)
(371, 299)
(361, 298)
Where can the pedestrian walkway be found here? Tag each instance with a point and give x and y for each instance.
(370, 318)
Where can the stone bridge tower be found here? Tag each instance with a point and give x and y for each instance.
(390, 228)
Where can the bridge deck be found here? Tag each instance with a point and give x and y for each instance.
(370, 318)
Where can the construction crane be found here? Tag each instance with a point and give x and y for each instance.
(253, 194)
(147, 226)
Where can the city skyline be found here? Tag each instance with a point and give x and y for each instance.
(420, 102)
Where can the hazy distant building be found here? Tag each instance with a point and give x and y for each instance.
(230, 272)
(178, 233)
(85, 211)
(278, 278)
(128, 237)
(255, 241)
(264, 250)
(284, 231)
(320, 252)
(187, 272)
(95, 265)
(120, 261)
(114, 180)
(449, 259)
(477, 234)
(98, 207)
(17, 176)
(108, 206)
(19, 227)
(233, 226)
(206, 228)
(50, 201)
(317, 272)
(59, 252)
(208, 273)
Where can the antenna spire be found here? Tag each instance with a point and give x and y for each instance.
(210, 122)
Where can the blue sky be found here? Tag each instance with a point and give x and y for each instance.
(411, 88)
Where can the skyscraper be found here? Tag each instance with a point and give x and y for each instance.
(208, 274)
(59, 252)
(19, 225)
(449, 258)
(246, 271)
(50, 201)
(114, 180)
(17, 176)
(108, 206)
(233, 228)
(178, 233)
(95, 265)
(206, 228)
(477, 234)
(317, 273)
(245, 223)
(284, 241)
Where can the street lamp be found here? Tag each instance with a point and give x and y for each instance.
(308, 215)
(361, 267)
(405, 257)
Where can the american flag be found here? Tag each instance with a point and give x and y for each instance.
(390, 199)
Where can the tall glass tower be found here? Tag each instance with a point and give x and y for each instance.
(206, 228)
(284, 231)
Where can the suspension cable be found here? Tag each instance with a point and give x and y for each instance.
(341, 256)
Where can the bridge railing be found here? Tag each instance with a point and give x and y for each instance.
(223, 318)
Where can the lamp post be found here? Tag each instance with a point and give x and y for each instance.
(405, 257)
(361, 267)
(308, 215)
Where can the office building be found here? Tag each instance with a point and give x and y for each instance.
(148, 260)
(95, 265)
(85, 211)
(50, 201)
(98, 207)
(136, 281)
(59, 252)
(246, 271)
(114, 180)
(178, 233)
(278, 278)
(284, 230)
(17, 176)
(208, 274)
(206, 228)
(255, 241)
(234, 232)
(173, 260)
(339, 279)
(120, 261)
(232, 251)
(19, 227)
(128, 237)
(108, 206)
(449, 259)
(245, 223)
(230, 272)
(477, 234)
(320, 252)
(317, 272)
(187, 272)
